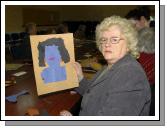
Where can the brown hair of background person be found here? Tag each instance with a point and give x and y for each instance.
(140, 17)
(31, 28)
(62, 28)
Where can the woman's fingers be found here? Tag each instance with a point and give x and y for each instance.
(73, 92)
(78, 69)
(65, 113)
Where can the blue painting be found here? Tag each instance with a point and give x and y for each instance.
(52, 52)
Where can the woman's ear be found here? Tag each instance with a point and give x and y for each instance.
(143, 20)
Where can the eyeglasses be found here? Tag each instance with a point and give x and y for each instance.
(112, 40)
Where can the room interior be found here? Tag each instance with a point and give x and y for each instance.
(48, 17)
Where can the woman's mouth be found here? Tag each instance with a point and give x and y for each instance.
(107, 51)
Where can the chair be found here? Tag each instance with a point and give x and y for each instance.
(8, 43)
(23, 35)
(16, 46)
(15, 36)
(152, 105)
(7, 38)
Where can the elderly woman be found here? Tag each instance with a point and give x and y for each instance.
(121, 88)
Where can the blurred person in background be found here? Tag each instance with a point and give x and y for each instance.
(139, 17)
(147, 59)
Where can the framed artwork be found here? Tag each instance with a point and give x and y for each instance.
(53, 57)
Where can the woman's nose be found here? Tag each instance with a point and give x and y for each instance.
(107, 44)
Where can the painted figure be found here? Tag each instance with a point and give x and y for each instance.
(53, 51)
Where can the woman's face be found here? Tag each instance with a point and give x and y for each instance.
(113, 44)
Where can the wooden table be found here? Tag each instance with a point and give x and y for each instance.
(52, 103)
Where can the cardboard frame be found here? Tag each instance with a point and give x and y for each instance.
(52, 82)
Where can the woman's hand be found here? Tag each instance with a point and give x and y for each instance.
(78, 69)
(73, 92)
(65, 113)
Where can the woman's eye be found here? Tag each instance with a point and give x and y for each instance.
(103, 40)
(114, 40)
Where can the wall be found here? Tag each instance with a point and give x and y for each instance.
(92, 13)
(13, 19)
(40, 16)
(18, 15)
(61, 13)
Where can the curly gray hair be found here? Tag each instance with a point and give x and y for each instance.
(146, 40)
(127, 30)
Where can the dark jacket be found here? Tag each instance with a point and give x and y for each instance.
(123, 91)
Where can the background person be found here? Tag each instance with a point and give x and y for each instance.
(139, 17)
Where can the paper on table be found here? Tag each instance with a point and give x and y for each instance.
(13, 66)
(19, 73)
(13, 98)
(6, 85)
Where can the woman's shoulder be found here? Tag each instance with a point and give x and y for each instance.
(128, 61)
(129, 65)
(127, 73)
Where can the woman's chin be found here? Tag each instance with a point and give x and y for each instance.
(107, 57)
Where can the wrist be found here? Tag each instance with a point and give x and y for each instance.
(80, 78)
